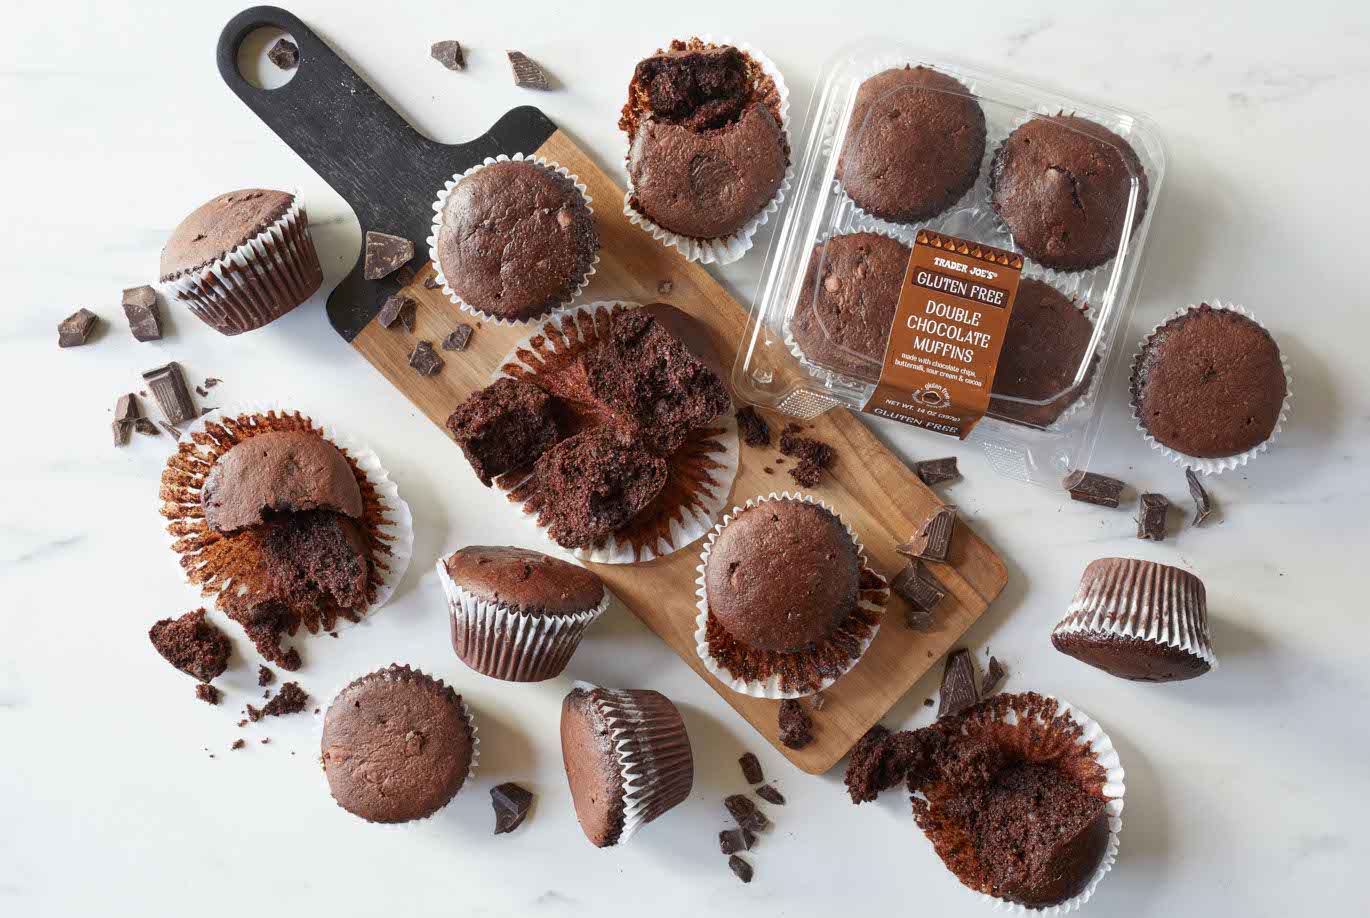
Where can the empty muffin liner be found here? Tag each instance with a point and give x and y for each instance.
(728, 249)
(1166, 606)
(1034, 727)
(701, 472)
(860, 626)
(208, 558)
(437, 228)
(1225, 463)
(259, 281)
(507, 644)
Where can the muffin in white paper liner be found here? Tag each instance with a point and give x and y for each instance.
(570, 329)
(871, 600)
(508, 644)
(432, 240)
(1225, 463)
(727, 249)
(245, 288)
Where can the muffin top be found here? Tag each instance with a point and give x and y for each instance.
(396, 746)
(592, 768)
(1046, 341)
(525, 581)
(516, 240)
(846, 307)
(220, 226)
(278, 471)
(782, 575)
(913, 145)
(1062, 185)
(1209, 384)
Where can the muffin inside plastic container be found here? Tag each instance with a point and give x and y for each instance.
(904, 153)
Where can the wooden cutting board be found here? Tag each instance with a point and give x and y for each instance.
(390, 175)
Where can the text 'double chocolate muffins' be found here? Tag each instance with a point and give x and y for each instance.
(1044, 348)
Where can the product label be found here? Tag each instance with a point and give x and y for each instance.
(948, 330)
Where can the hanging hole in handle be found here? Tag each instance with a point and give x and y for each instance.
(255, 62)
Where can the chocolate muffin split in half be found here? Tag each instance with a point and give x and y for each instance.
(1044, 347)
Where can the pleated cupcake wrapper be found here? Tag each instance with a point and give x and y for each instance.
(399, 523)
(727, 249)
(1226, 463)
(437, 228)
(694, 522)
(771, 688)
(513, 646)
(245, 289)
(1174, 613)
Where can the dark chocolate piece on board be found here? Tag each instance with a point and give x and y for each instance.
(127, 408)
(770, 795)
(936, 471)
(731, 841)
(755, 431)
(385, 254)
(284, 54)
(431, 282)
(405, 276)
(751, 768)
(144, 316)
(919, 586)
(76, 328)
(409, 314)
(527, 73)
(994, 677)
(1093, 489)
(458, 338)
(740, 868)
(511, 804)
(1152, 511)
(745, 812)
(121, 431)
(1203, 504)
(959, 690)
(391, 310)
(449, 54)
(796, 729)
(932, 541)
(145, 426)
(168, 385)
(425, 360)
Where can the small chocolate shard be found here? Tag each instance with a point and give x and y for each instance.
(935, 471)
(405, 275)
(751, 768)
(959, 689)
(933, 540)
(147, 427)
(168, 385)
(527, 74)
(208, 693)
(1203, 504)
(284, 54)
(748, 817)
(143, 314)
(127, 408)
(76, 328)
(385, 254)
(740, 868)
(211, 382)
(1093, 489)
(756, 432)
(1152, 511)
(425, 360)
(511, 803)
(994, 677)
(458, 338)
(431, 282)
(121, 431)
(449, 54)
(796, 728)
(399, 307)
(921, 589)
(770, 795)
(171, 429)
(731, 841)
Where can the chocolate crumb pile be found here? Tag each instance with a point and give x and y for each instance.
(756, 432)
(291, 700)
(814, 456)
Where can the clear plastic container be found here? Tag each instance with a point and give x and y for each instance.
(806, 350)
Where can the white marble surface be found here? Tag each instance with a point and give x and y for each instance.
(1246, 789)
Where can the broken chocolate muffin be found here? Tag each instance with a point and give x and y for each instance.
(593, 484)
(504, 427)
(192, 644)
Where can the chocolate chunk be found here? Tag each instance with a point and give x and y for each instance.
(770, 795)
(936, 471)
(994, 676)
(1093, 489)
(745, 812)
(76, 328)
(168, 385)
(740, 868)
(145, 426)
(127, 408)
(796, 729)
(208, 693)
(959, 690)
(921, 589)
(755, 431)
(449, 54)
(1203, 505)
(144, 316)
(385, 254)
(731, 841)
(1151, 516)
(458, 339)
(284, 54)
(511, 804)
(399, 307)
(265, 676)
(751, 768)
(526, 73)
(425, 360)
(431, 282)
(405, 276)
(121, 431)
(932, 541)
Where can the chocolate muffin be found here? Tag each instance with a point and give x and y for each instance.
(193, 645)
(707, 145)
(628, 760)
(593, 484)
(1046, 341)
(517, 239)
(846, 307)
(1209, 384)
(1138, 620)
(1062, 185)
(275, 472)
(913, 146)
(397, 745)
(504, 427)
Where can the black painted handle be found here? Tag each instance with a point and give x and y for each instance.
(387, 171)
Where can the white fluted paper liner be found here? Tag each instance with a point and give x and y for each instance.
(399, 522)
(728, 249)
(280, 262)
(694, 521)
(771, 688)
(515, 646)
(437, 228)
(1226, 463)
